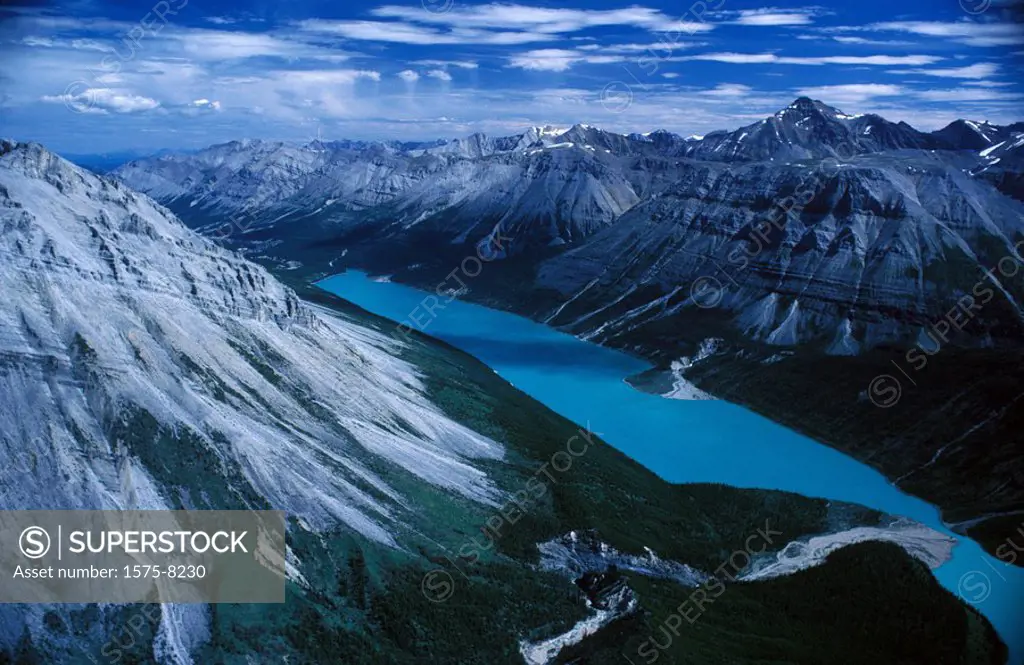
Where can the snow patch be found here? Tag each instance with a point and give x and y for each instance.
(987, 151)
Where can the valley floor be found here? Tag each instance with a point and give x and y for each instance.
(955, 438)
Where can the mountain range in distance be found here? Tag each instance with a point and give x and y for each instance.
(811, 251)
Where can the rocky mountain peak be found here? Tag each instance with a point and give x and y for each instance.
(806, 107)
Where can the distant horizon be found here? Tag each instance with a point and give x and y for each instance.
(101, 77)
(330, 139)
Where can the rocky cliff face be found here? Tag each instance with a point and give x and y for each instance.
(849, 256)
(131, 347)
(116, 305)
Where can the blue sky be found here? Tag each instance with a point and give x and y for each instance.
(101, 76)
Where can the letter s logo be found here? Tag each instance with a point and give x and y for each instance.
(34, 542)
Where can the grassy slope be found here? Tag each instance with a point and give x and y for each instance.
(868, 604)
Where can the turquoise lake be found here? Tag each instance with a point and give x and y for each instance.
(687, 441)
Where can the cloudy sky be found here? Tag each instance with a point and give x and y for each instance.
(97, 76)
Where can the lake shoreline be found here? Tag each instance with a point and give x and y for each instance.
(583, 382)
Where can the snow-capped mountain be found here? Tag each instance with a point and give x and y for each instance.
(543, 187)
(561, 183)
(970, 135)
(808, 129)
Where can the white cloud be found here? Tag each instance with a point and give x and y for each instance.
(548, 60)
(646, 55)
(224, 45)
(771, 58)
(104, 99)
(972, 33)
(862, 92)
(216, 45)
(981, 70)
(522, 17)
(90, 45)
(682, 27)
(885, 60)
(558, 60)
(407, 33)
(772, 17)
(656, 49)
(408, 76)
(498, 24)
(864, 41)
(29, 22)
(966, 94)
(73, 44)
(43, 42)
(850, 93)
(461, 64)
(327, 77)
(200, 106)
(440, 75)
(199, 44)
(728, 90)
(738, 58)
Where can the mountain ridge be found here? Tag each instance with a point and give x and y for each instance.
(558, 190)
(959, 134)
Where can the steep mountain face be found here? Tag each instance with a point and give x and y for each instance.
(1003, 165)
(881, 250)
(142, 366)
(115, 305)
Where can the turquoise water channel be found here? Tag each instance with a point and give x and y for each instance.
(687, 441)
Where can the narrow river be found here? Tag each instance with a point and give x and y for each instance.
(688, 441)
